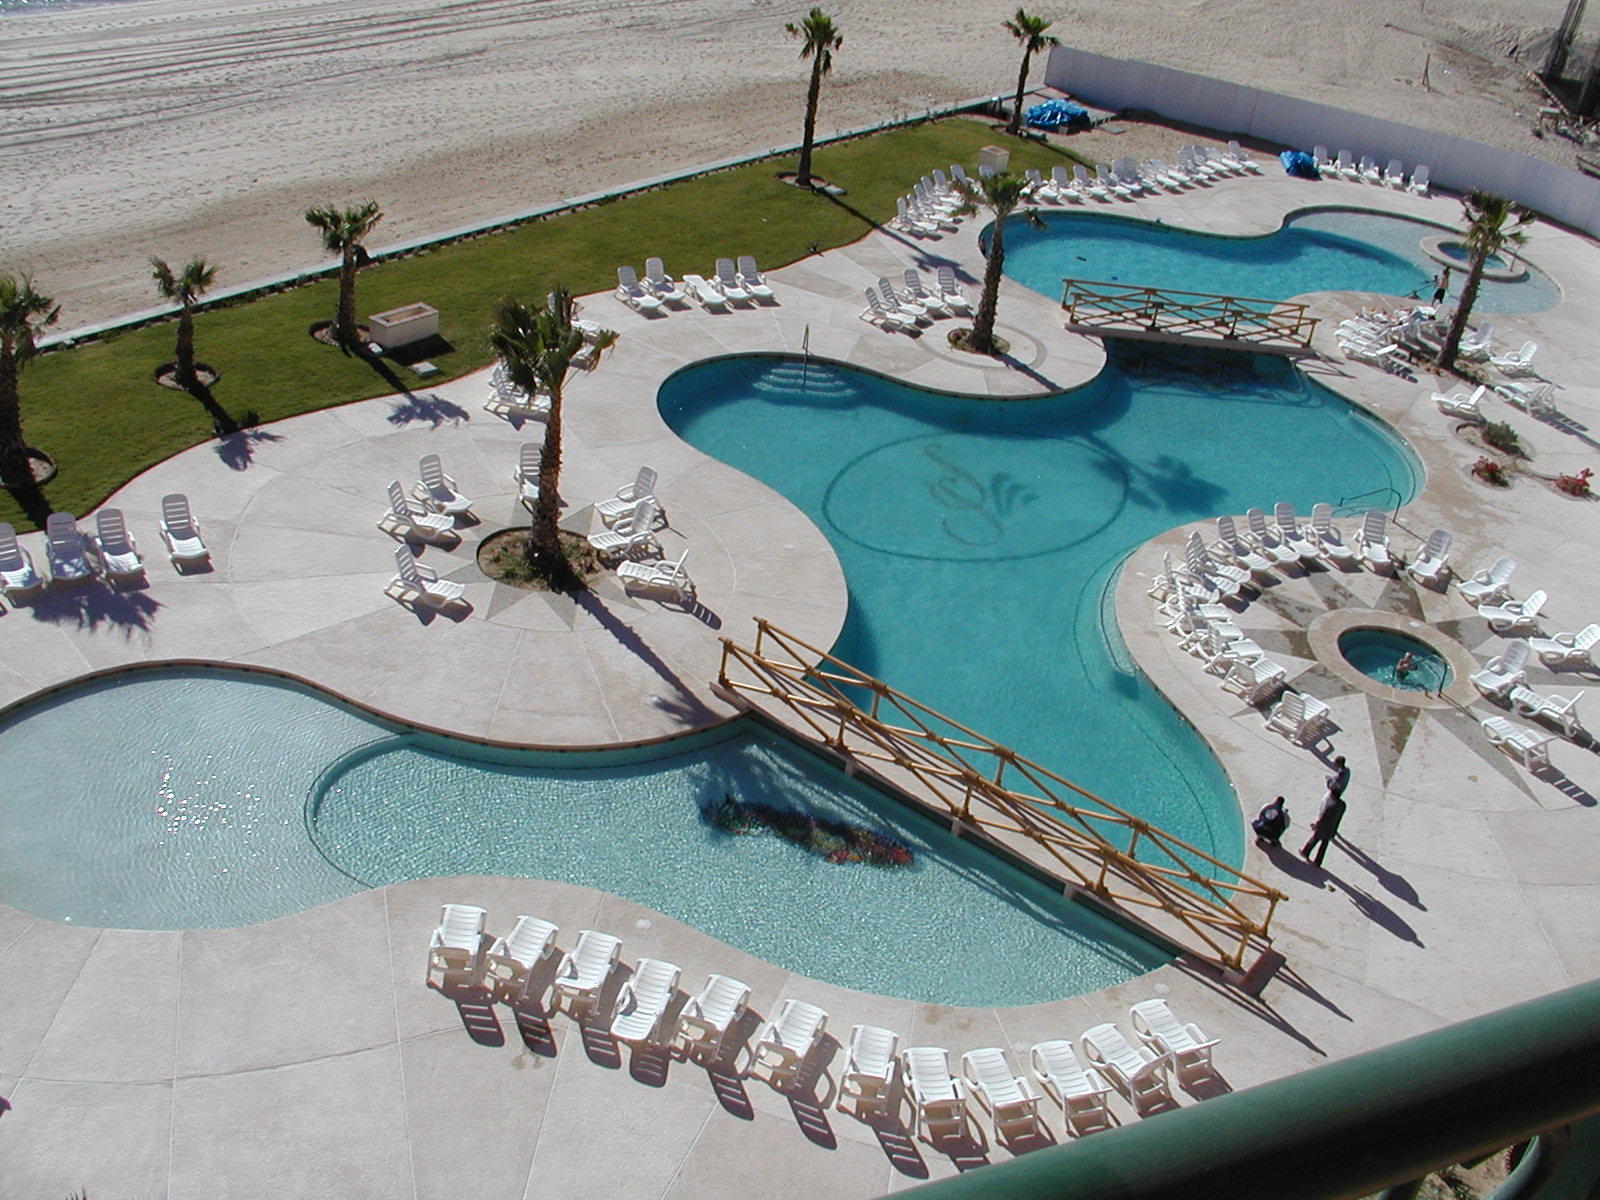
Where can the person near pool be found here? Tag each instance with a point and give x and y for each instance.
(1327, 822)
(1406, 664)
(1441, 285)
(1271, 822)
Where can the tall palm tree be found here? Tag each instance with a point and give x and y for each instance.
(821, 39)
(537, 346)
(1493, 222)
(24, 313)
(343, 230)
(1000, 194)
(185, 286)
(1030, 31)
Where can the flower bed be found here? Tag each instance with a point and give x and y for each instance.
(831, 841)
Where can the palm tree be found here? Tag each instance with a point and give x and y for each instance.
(185, 286)
(537, 346)
(343, 230)
(1493, 222)
(1000, 193)
(1030, 31)
(821, 40)
(23, 314)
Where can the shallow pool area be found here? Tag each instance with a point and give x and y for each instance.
(1316, 250)
(1379, 653)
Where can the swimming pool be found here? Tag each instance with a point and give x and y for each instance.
(1316, 250)
(150, 823)
(980, 539)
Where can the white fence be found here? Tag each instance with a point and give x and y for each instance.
(1454, 163)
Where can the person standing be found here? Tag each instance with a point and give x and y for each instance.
(1441, 286)
(1339, 780)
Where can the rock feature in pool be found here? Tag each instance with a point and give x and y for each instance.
(1395, 659)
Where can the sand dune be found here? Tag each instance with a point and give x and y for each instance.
(181, 127)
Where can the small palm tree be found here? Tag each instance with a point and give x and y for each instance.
(821, 38)
(537, 346)
(1030, 31)
(24, 313)
(185, 286)
(1493, 222)
(343, 230)
(1000, 194)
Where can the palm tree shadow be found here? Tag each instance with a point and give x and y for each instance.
(91, 605)
(686, 704)
(32, 502)
(433, 409)
(236, 436)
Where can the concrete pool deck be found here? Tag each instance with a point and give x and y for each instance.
(306, 1055)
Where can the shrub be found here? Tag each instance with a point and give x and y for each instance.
(1491, 471)
(1502, 437)
(1575, 485)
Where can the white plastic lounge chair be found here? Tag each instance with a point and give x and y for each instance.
(1230, 549)
(65, 549)
(642, 486)
(1320, 156)
(1373, 540)
(882, 317)
(1326, 535)
(512, 958)
(422, 583)
(1300, 718)
(1561, 711)
(632, 293)
(950, 291)
(896, 303)
(1531, 747)
(506, 399)
(584, 970)
(1431, 564)
(1395, 174)
(526, 474)
(1477, 343)
(1066, 187)
(1461, 404)
(752, 280)
(1370, 171)
(938, 1099)
(658, 576)
(869, 1067)
(1346, 167)
(1255, 682)
(1139, 1074)
(907, 221)
(1236, 152)
(726, 281)
(1566, 649)
(1222, 578)
(704, 1023)
(181, 531)
(1419, 180)
(919, 295)
(662, 285)
(1087, 185)
(17, 576)
(1221, 654)
(1081, 1091)
(115, 547)
(1503, 672)
(1185, 1046)
(1011, 1100)
(1267, 543)
(1489, 584)
(643, 1001)
(437, 490)
(1514, 616)
(1537, 399)
(1518, 361)
(1039, 188)
(631, 534)
(1287, 527)
(786, 1042)
(411, 519)
(708, 296)
(456, 947)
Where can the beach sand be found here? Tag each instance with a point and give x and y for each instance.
(192, 127)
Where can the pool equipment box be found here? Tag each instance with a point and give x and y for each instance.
(402, 326)
(994, 158)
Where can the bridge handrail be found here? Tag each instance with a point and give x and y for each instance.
(1171, 311)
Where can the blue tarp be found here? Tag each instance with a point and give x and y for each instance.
(1053, 114)
(1299, 164)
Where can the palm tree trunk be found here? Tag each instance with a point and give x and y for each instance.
(982, 340)
(344, 321)
(544, 536)
(1469, 297)
(1015, 128)
(183, 356)
(802, 175)
(15, 473)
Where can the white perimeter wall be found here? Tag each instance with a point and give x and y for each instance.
(1454, 163)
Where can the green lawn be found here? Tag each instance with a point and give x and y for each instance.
(95, 409)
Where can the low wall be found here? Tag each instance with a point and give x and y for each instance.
(1454, 163)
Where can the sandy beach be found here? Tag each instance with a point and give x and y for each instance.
(184, 127)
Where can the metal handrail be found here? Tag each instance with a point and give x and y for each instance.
(982, 787)
(1348, 504)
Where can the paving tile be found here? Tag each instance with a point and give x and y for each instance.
(60, 1138)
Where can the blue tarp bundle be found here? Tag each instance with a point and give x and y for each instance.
(1299, 164)
(1053, 114)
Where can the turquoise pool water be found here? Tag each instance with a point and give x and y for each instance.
(979, 539)
(1315, 251)
(1377, 652)
(150, 823)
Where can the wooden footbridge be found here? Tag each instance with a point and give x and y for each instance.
(1187, 318)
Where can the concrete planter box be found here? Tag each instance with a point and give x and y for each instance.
(996, 158)
(402, 326)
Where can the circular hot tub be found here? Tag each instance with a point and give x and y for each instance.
(1378, 654)
(1452, 252)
